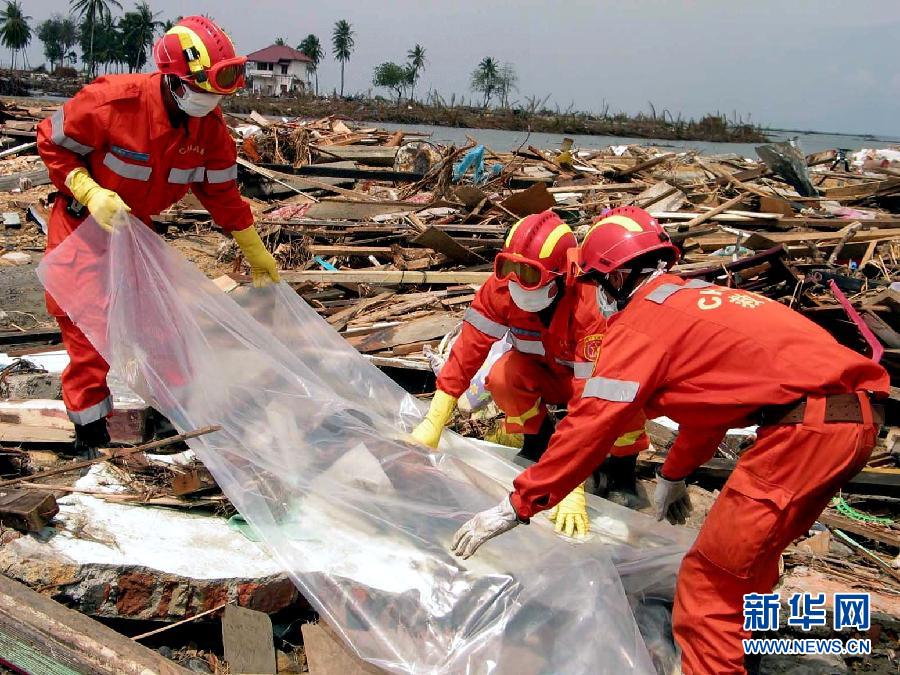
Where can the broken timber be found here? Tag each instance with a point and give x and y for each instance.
(384, 278)
(39, 635)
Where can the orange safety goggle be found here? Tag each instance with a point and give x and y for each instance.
(527, 273)
(224, 77)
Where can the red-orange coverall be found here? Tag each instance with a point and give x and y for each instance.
(709, 357)
(546, 363)
(118, 128)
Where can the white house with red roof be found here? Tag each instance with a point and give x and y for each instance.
(278, 70)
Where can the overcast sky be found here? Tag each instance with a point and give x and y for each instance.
(826, 65)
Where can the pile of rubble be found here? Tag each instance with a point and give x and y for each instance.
(388, 236)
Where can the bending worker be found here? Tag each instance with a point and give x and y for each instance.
(527, 298)
(137, 143)
(711, 358)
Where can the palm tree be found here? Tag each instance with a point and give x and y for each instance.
(416, 57)
(313, 49)
(91, 11)
(486, 78)
(342, 41)
(138, 29)
(15, 33)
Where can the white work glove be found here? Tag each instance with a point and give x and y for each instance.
(484, 526)
(671, 500)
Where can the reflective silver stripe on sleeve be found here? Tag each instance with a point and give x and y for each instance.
(528, 346)
(620, 391)
(563, 362)
(58, 134)
(484, 324)
(221, 175)
(125, 169)
(584, 369)
(662, 293)
(185, 176)
(92, 414)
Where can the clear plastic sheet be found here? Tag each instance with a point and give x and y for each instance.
(314, 455)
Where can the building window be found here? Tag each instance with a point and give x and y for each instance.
(284, 69)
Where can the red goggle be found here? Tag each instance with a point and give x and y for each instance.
(527, 273)
(224, 77)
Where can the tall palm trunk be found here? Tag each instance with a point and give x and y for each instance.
(342, 79)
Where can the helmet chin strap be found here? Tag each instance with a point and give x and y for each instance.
(634, 279)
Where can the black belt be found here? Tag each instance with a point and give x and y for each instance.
(838, 408)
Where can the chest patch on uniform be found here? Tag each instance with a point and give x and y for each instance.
(592, 345)
(524, 332)
(130, 154)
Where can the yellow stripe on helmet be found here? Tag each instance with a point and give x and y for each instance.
(624, 221)
(558, 233)
(512, 232)
(188, 39)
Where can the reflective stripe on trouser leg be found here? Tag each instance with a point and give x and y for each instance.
(85, 393)
(528, 422)
(520, 382)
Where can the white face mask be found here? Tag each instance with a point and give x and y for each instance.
(608, 306)
(532, 301)
(195, 103)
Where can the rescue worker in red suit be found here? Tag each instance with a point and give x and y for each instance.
(711, 358)
(138, 143)
(526, 297)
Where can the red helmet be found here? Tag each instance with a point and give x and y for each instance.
(620, 236)
(535, 251)
(199, 52)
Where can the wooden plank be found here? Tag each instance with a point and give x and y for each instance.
(23, 337)
(21, 433)
(404, 364)
(27, 510)
(339, 320)
(860, 191)
(533, 200)
(724, 206)
(368, 155)
(334, 209)
(643, 166)
(597, 187)
(327, 655)
(885, 482)
(38, 635)
(247, 641)
(759, 240)
(436, 325)
(384, 278)
(873, 533)
(440, 241)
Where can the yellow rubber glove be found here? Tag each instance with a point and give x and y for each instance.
(104, 205)
(570, 515)
(428, 432)
(262, 264)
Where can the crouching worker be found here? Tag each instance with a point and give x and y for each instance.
(711, 358)
(527, 298)
(136, 144)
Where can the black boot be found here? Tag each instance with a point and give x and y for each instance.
(534, 445)
(621, 480)
(90, 436)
